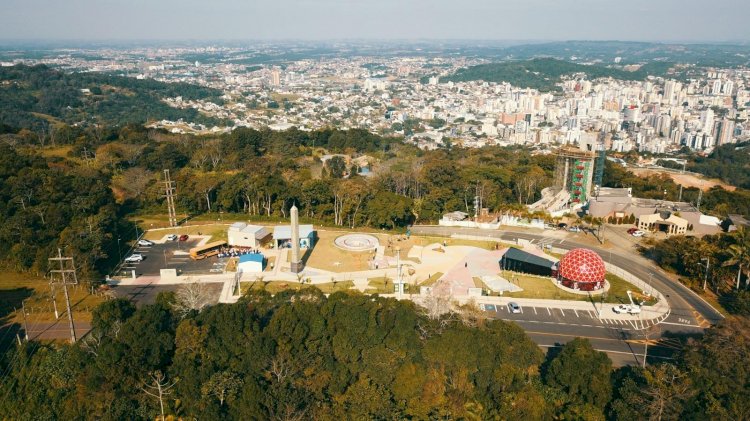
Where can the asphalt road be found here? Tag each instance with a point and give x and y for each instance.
(689, 313)
(621, 339)
(146, 294)
(170, 255)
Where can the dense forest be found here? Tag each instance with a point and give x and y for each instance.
(35, 98)
(301, 355)
(544, 73)
(728, 271)
(78, 194)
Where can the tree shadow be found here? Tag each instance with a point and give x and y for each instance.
(10, 300)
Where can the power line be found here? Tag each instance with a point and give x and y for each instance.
(169, 194)
(67, 268)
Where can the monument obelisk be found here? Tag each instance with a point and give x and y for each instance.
(296, 263)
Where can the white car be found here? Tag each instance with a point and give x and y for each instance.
(172, 237)
(134, 258)
(574, 229)
(514, 308)
(145, 243)
(638, 233)
(626, 308)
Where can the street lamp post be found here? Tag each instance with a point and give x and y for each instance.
(398, 271)
(119, 250)
(705, 278)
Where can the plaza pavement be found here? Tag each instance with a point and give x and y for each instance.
(459, 265)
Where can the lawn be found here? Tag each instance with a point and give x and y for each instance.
(544, 288)
(325, 255)
(274, 287)
(379, 286)
(217, 231)
(432, 279)
(36, 294)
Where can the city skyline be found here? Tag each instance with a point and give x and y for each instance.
(638, 20)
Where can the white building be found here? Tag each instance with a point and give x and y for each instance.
(241, 234)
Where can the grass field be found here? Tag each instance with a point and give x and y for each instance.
(431, 280)
(36, 294)
(274, 287)
(325, 255)
(217, 231)
(380, 286)
(544, 288)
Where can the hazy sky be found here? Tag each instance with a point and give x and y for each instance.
(693, 20)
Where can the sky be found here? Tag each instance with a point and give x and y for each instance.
(637, 20)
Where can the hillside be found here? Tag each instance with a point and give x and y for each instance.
(544, 73)
(31, 95)
(730, 163)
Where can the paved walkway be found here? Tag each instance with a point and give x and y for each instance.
(459, 265)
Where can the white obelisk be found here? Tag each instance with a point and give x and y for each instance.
(296, 263)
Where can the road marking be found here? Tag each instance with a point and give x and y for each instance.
(561, 311)
(520, 309)
(589, 312)
(679, 324)
(576, 313)
(548, 311)
(612, 352)
(534, 310)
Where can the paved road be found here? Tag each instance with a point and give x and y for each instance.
(621, 339)
(689, 314)
(57, 329)
(146, 294)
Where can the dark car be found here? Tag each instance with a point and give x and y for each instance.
(184, 237)
(632, 230)
(562, 225)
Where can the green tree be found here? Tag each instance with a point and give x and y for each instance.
(582, 373)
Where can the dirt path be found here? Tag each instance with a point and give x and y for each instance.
(686, 179)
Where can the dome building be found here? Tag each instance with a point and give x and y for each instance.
(582, 269)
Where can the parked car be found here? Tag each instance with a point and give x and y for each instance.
(145, 243)
(622, 308)
(632, 230)
(172, 237)
(134, 258)
(574, 229)
(184, 237)
(626, 308)
(638, 233)
(514, 308)
(562, 225)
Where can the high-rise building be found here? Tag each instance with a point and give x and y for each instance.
(671, 91)
(574, 172)
(275, 77)
(725, 132)
(707, 121)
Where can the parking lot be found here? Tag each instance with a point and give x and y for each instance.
(171, 255)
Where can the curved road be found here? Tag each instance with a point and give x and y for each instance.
(690, 314)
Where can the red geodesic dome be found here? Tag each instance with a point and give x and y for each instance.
(582, 265)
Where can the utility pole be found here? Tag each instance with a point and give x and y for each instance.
(169, 190)
(25, 324)
(700, 197)
(705, 279)
(64, 276)
(54, 301)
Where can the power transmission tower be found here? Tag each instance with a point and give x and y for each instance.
(67, 272)
(169, 190)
